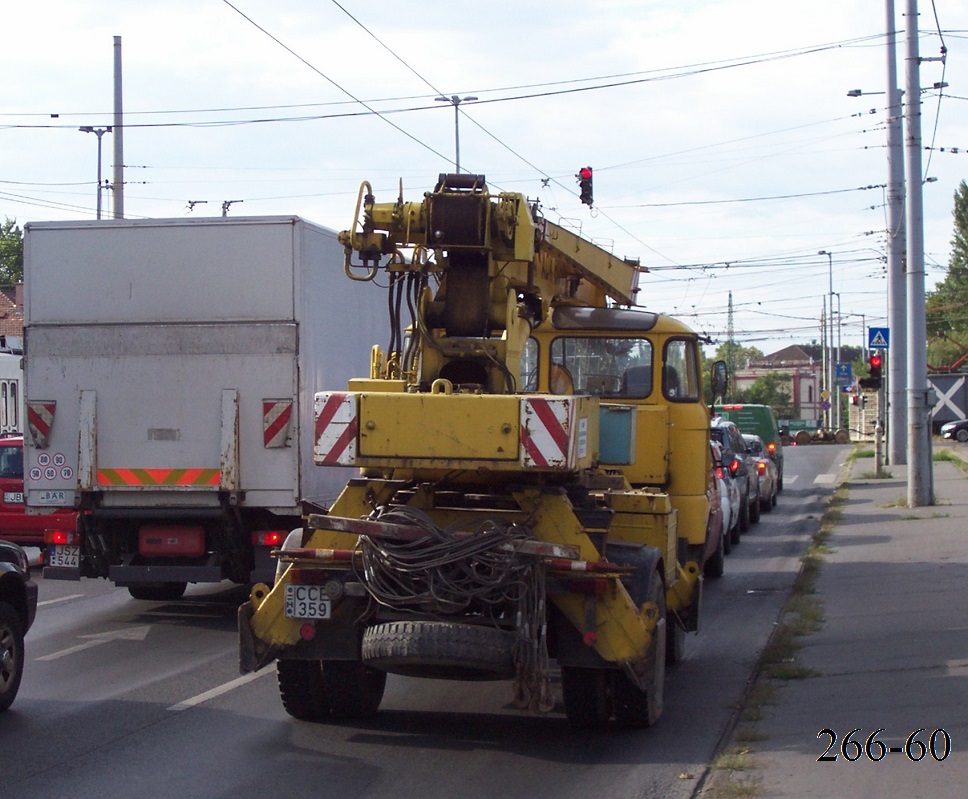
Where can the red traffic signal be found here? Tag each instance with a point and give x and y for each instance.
(585, 185)
(874, 364)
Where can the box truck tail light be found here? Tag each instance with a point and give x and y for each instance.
(61, 537)
(268, 538)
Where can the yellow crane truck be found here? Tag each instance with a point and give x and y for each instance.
(533, 461)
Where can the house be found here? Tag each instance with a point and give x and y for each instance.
(805, 375)
(12, 316)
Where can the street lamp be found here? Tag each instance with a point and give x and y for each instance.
(835, 398)
(99, 132)
(456, 101)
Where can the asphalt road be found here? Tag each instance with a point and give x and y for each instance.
(129, 698)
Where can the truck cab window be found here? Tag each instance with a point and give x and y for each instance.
(605, 367)
(680, 373)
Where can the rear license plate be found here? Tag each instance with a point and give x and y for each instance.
(64, 555)
(306, 602)
(13, 498)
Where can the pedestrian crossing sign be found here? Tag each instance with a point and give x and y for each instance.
(878, 338)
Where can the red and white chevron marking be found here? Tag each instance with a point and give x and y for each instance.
(40, 418)
(276, 422)
(547, 431)
(335, 429)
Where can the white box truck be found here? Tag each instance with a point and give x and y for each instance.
(170, 367)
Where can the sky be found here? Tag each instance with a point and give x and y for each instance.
(726, 151)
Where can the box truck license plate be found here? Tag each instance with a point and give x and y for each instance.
(61, 555)
(306, 602)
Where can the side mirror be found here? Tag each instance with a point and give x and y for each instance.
(718, 379)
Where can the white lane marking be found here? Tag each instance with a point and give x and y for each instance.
(825, 479)
(231, 685)
(59, 599)
(130, 634)
(791, 479)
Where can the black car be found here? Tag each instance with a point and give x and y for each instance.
(741, 467)
(956, 430)
(18, 605)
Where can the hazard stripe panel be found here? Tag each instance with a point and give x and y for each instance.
(159, 477)
(276, 422)
(336, 426)
(545, 426)
(40, 417)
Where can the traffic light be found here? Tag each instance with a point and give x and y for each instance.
(874, 364)
(585, 185)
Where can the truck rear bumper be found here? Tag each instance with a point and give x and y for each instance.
(163, 573)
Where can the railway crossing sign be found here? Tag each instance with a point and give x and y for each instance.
(878, 338)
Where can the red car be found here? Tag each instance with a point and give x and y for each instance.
(15, 523)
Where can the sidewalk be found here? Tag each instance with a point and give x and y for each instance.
(892, 653)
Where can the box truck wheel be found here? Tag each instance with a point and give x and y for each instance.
(158, 592)
(301, 689)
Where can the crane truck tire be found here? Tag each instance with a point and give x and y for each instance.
(352, 689)
(301, 689)
(440, 650)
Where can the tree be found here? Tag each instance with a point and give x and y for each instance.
(11, 252)
(947, 304)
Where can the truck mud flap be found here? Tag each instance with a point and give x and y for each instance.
(253, 653)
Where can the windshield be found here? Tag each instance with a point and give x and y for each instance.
(604, 367)
(11, 462)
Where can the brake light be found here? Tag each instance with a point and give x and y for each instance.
(61, 537)
(719, 472)
(734, 466)
(761, 467)
(268, 538)
(771, 448)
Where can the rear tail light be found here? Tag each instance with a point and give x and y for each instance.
(771, 448)
(61, 537)
(734, 466)
(719, 472)
(761, 467)
(268, 538)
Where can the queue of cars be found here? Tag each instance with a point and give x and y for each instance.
(18, 605)
(18, 592)
(746, 476)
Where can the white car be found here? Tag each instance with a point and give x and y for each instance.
(729, 491)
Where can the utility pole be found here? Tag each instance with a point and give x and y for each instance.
(920, 483)
(897, 353)
(118, 194)
(99, 132)
(456, 101)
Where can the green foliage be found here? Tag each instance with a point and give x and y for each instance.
(11, 252)
(947, 304)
